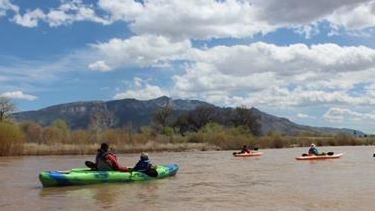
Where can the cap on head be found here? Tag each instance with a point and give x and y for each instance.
(144, 156)
(104, 146)
(312, 145)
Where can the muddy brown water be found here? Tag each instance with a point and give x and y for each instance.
(205, 181)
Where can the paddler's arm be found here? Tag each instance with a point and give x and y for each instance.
(115, 164)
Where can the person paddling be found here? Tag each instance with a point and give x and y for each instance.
(245, 149)
(106, 161)
(144, 165)
(314, 151)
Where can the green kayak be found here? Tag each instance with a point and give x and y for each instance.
(85, 176)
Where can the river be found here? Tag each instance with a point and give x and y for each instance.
(211, 180)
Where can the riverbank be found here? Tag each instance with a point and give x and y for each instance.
(30, 149)
(18, 140)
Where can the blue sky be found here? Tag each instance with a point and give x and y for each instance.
(313, 63)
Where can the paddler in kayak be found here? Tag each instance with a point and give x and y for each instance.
(144, 165)
(314, 151)
(106, 161)
(245, 149)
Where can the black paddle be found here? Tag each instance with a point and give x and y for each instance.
(91, 165)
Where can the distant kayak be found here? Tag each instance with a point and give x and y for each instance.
(251, 154)
(319, 157)
(85, 176)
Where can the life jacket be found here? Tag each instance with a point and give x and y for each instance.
(102, 163)
(142, 165)
(313, 151)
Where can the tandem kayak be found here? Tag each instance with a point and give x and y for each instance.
(319, 157)
(251, 154)
(85, 176)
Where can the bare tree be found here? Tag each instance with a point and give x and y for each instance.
(203, 115)
(161, 117)
(6, 106)
(244, 117)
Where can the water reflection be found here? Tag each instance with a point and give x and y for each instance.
(106, 196)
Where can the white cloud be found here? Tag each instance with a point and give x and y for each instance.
(100, 66)
(320, 74)
(191, 19)
(137, 81)
(336, 114)
(19, 95)
(6, 5)
(145, 50)
(206, 19)
(300, 97)
(67, 13)
(360, 17)
(217, 19)
(302, 12)
(302, 116)
(258, 74)
(324, 73)
(142, 91)
(29, 19)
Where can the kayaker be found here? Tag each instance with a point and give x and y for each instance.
(144, 165)
(106, 161)
(313, 150)
(244, 149)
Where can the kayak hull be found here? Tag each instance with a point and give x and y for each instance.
(251, 154)
(85, 176)
(320, 157)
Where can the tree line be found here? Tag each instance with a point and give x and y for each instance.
(224, 128)
(192, 121)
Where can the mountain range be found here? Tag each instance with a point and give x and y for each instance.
(137, 113)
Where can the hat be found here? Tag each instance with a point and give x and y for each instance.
(144, 155)
(312, 145)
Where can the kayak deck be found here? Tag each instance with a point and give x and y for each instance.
(251, 154)
(319, 157)
(85, 176)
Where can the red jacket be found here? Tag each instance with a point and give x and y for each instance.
(114, 163)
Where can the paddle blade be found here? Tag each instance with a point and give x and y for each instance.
(304, 155)
(91, 165)
(256, 149)
(330, 153)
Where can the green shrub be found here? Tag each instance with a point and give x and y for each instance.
(168, 131)
(11, 139)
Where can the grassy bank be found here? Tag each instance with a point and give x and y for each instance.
(87, 149)
(32, 139)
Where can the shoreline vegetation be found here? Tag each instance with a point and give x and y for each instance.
(32, 139)
(203, 128)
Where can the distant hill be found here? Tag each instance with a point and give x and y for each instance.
(137, 113)
(285, 126)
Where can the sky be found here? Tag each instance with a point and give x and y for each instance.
(312, 62)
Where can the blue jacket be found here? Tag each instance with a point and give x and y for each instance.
(142, 165)
(314, 151)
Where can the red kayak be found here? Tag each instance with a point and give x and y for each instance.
(251, 154)
(319, 157)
